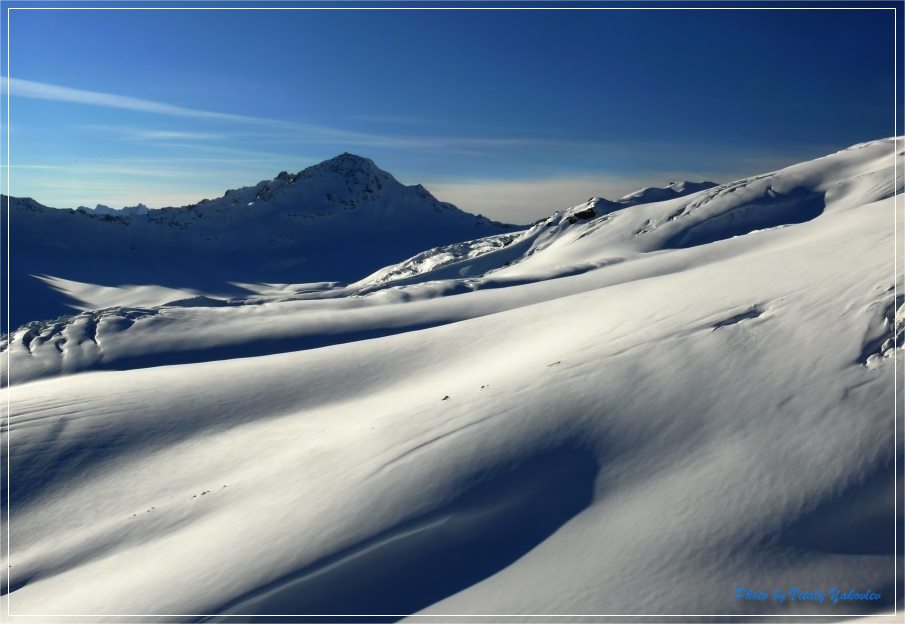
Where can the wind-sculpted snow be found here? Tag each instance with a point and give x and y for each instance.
(588, 417)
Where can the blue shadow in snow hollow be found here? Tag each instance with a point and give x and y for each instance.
(500, 515)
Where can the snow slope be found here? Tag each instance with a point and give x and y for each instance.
(337, 221)
(635, 411)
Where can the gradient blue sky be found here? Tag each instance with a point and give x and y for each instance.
(509, 113)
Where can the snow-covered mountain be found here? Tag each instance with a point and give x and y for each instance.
(627, 408)
(335, 221)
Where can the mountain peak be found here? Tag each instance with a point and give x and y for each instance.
(352, 157)
(348, 164)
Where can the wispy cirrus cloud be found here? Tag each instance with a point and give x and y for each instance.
(143, 134)
(19, 87)
(390, 119)
(281, 130)
(106, 168)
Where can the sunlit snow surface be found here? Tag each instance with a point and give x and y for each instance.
(624, 409)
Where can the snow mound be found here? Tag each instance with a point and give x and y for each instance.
(671, 191)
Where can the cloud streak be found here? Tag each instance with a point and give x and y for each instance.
(17, 87)
(291, 131)
(390, 119)
(143, 134)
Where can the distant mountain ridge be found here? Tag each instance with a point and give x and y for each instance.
(336, 221)
(101, 209)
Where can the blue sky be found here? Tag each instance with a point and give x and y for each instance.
(509, 113)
